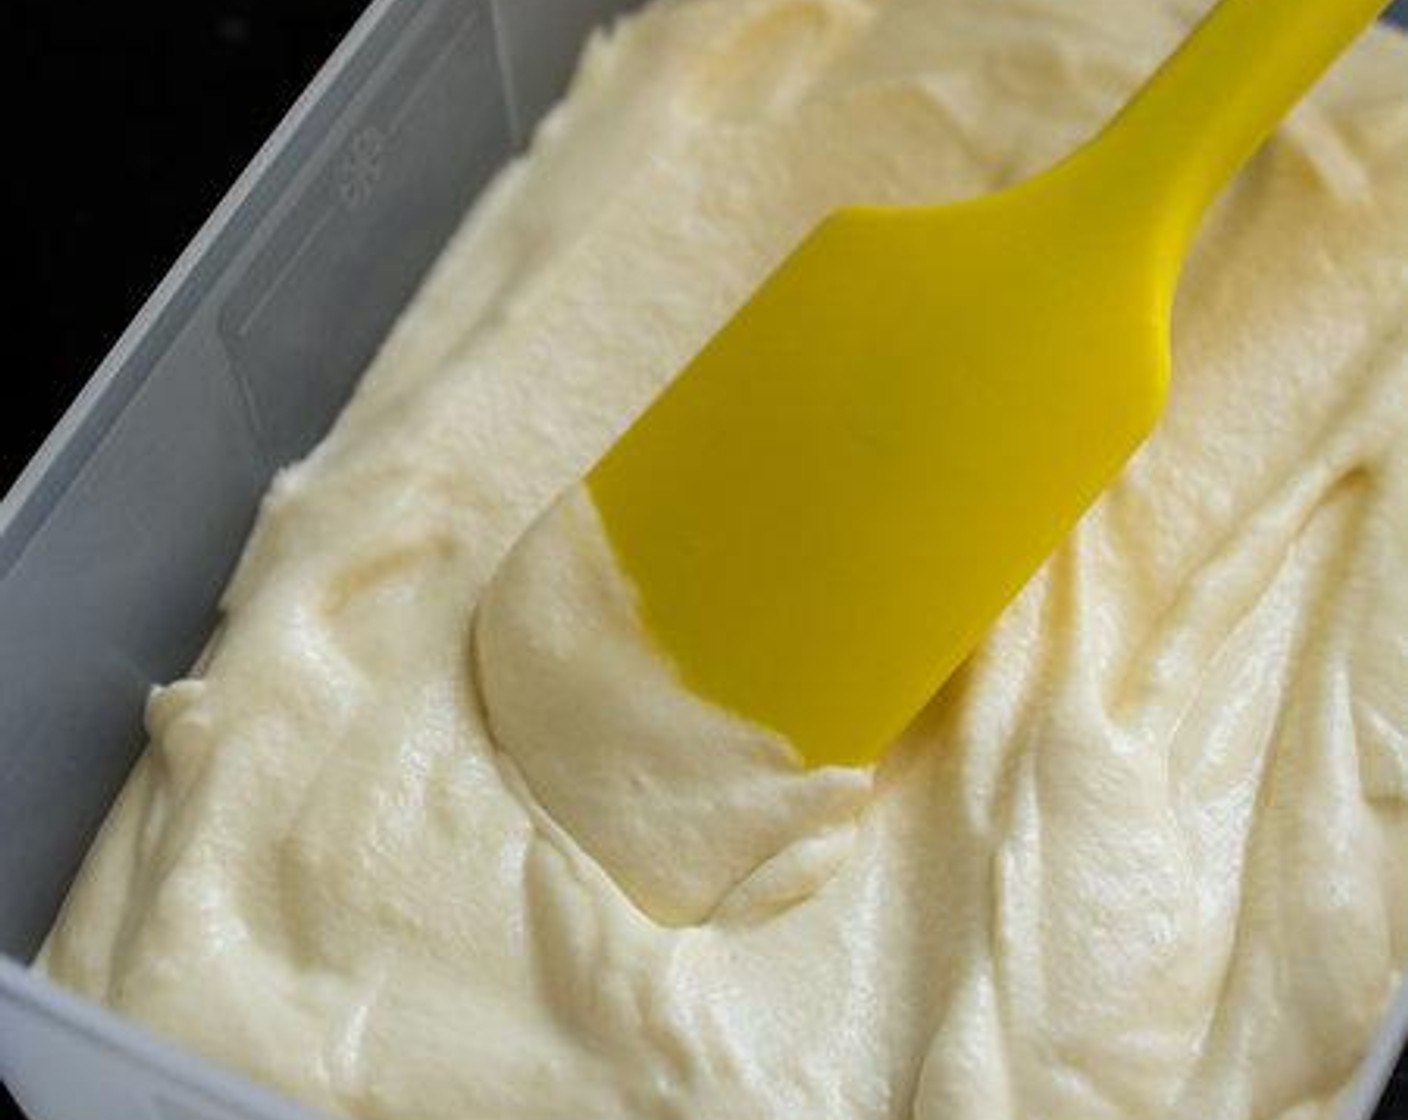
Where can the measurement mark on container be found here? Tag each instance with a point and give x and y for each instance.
(305, 242)
(361, 166)
(356, 170)
(403, 111)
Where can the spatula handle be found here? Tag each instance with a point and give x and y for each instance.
(1212, 103)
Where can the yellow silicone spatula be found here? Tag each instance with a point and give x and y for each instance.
(825, 510)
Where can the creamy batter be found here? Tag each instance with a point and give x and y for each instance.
(653, 768)
(1146, 856)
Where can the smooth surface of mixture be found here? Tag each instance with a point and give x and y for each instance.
(654, 767)
(1146, 856)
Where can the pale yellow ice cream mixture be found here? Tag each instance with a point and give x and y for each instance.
(1145, 857)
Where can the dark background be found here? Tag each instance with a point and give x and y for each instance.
(132, 120)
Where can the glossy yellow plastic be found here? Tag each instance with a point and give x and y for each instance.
(828, 507)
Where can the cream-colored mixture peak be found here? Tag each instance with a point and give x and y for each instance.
(1146, 856)
(653, 769)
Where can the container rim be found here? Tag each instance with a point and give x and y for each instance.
(33, 493)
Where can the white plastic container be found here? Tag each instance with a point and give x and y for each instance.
(117, 540)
